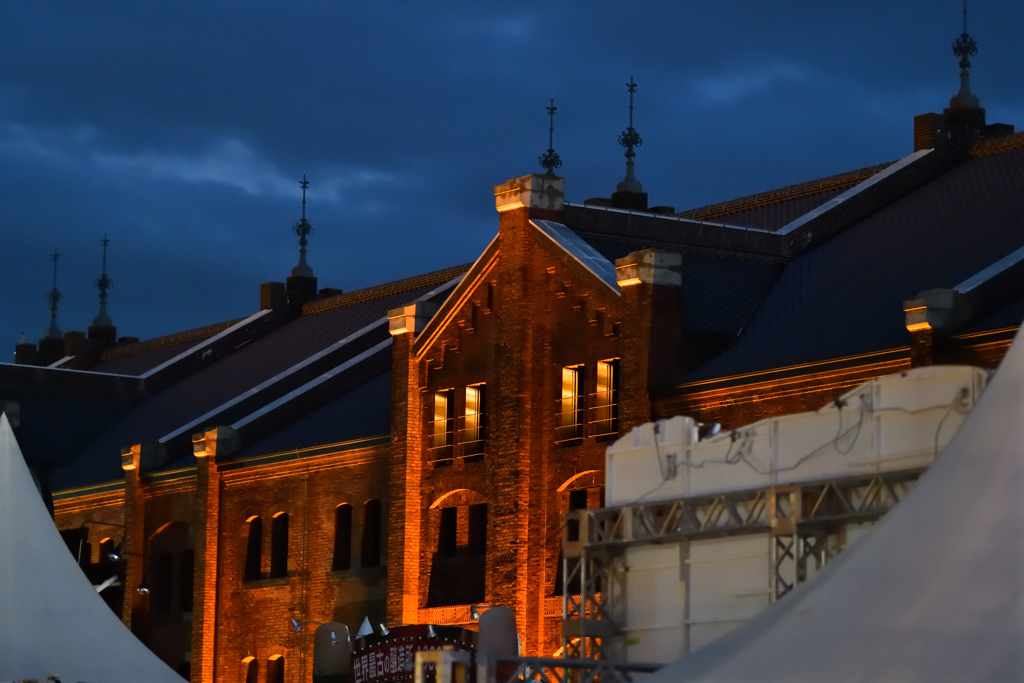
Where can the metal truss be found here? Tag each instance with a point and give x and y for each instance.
(454, 666)
(806, 523)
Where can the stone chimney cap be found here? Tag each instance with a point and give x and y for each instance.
(534, 191)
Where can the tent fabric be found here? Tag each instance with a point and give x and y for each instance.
(934, 593)
(52, 621)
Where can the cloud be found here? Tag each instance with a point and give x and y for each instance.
(737, 86)
(232, 163)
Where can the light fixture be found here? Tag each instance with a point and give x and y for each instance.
(334, 637)
(474, 612)
(384, 630)
(297, 625)
(431, 632)
(143, 588)
(115, 554)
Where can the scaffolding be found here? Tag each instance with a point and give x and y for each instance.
(805, 523)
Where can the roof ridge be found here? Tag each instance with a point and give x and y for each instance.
(840, 181)
(997, 145)
(197, 334)
(436, 277)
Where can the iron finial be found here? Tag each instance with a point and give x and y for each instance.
(630, 139)
(964, 47)
(303, 229)
(550, 159)
(103, 283)
(54, 297)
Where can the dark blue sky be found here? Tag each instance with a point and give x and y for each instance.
(182, 129)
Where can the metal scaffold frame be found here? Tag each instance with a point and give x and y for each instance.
(806, 522)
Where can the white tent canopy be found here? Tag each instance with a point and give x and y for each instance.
(52, 621)
(934, 593)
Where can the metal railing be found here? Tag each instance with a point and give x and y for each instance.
(458, 666)
(456, 442)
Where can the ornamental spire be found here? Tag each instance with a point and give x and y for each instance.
(964, 47)
(630, 139)
(53, 332)
(103, 283)
(303, 229)
(550, 159)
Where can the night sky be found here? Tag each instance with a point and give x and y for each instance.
(182, 129)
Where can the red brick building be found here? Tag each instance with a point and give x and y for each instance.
(405, 451)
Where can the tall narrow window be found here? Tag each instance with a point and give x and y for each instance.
(570, 405)
(342, 538)
(478, 529)
(279, 545)
(370, 556)
(254, 550)
(448, 532)
(186, 579)
(275, 669)
(474, 437)
(604, 412)
(442, 434)
(250, 668)
(161, 582)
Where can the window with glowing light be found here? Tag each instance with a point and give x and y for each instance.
(442, 427)
(569, 417)
(474, 437)
(604, 406)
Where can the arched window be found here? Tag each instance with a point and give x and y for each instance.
(370, 556)
(279, 545)
(254, 550)
(106, 547)
(249, 667)
(342, 537)
(275, 669)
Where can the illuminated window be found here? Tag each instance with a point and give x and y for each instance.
(474, 437)
(370, 556)
(569, 424)
(442, 427)
(604, 407)
(342, 538)
(254, 550)
(279, 545)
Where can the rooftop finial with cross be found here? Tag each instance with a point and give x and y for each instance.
(53, 297)
(103, 283)
(550, 159)
(630, 139)
(964, 47)
(303, 229)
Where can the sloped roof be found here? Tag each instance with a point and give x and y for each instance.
(845, 296)
(136, 359)
(775, 208)
(52, 621)
(230, 376)
(933, 593)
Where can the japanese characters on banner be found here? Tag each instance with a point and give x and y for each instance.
(391, 658)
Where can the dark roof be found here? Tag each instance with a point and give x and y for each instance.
(845, 296)
(136, 359)
(773, 209)
(229, 377)
(719, 293)
(82, 418)
(365, 411)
